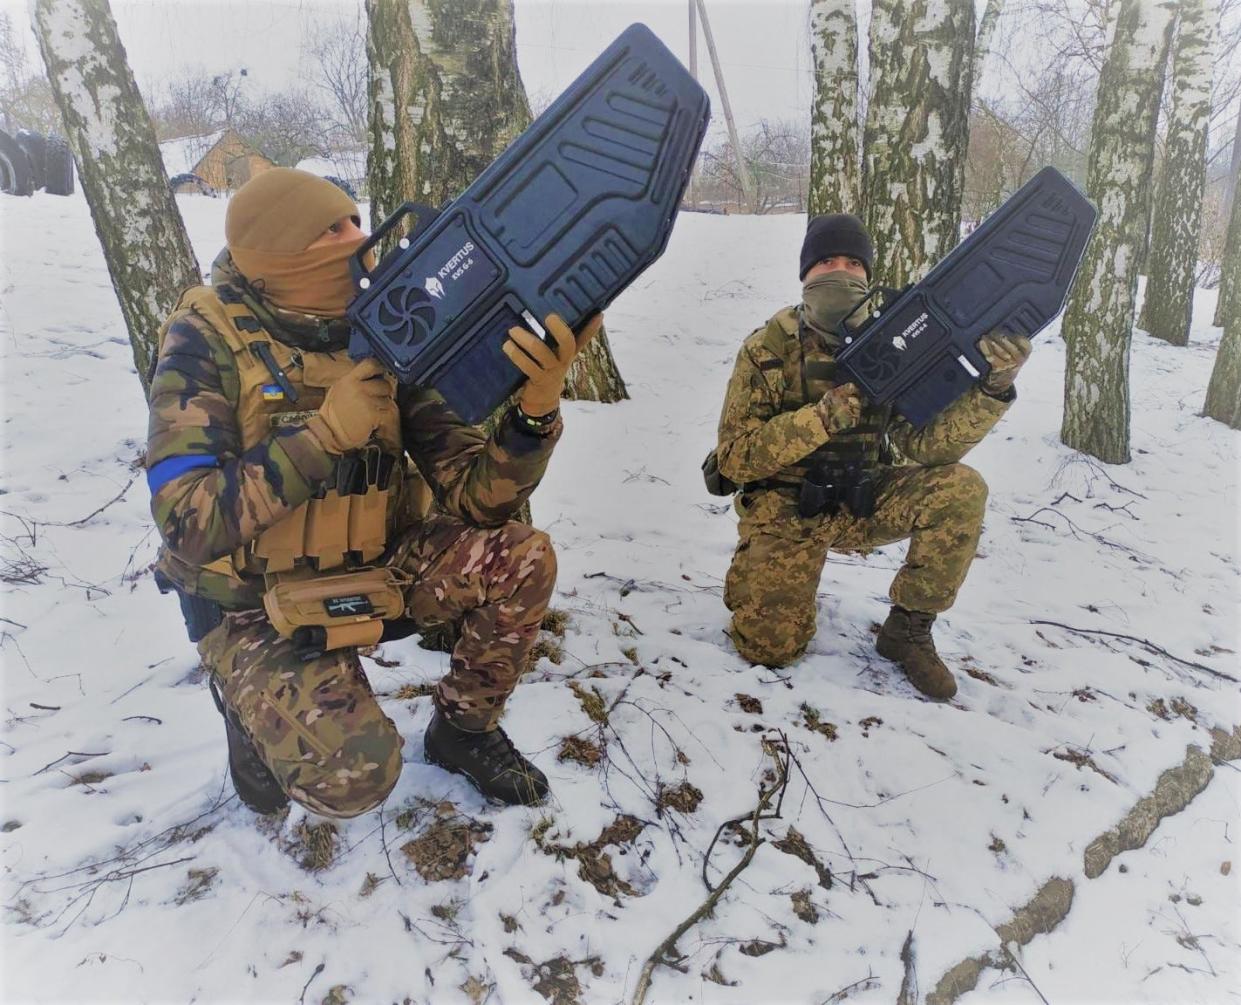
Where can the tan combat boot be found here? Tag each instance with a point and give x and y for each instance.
(905, 638)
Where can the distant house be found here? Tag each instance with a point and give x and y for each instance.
(221, 159)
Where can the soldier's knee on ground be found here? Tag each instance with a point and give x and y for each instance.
(352, 781)
(759, 644)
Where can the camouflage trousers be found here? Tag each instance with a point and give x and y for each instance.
(772, 585)
(316, 723)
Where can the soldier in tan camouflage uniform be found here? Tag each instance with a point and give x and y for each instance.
(274, 459)
(785, 415)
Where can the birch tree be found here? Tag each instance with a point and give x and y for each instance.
(1224, 391)
(917, 132)
(1232, 236)
(984, 40)
(1098, 322)
(834, 167)
(1176, 222)
(145, 245)
(445, 99)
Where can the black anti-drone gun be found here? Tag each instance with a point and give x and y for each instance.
(562, 221)
(920, 352)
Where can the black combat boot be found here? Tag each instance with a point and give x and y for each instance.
(489, 760)
(256, 786)
(906, 638)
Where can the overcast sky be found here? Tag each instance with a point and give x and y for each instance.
(763, 45)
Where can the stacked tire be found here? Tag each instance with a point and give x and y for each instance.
(30, 161)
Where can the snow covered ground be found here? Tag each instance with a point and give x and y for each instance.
(129, 872)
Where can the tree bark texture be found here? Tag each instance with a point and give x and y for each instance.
(1176, 222)
(1228, 287)
(446, 99)
(144, 241)
(1098, 322)
(984, 40)
(834, 165)
(1224, 391)
(917, 132)
(445, 96)
(594, 376)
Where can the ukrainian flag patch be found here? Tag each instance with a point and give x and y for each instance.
(272, 392)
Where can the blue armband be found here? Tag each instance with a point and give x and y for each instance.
(174, 467)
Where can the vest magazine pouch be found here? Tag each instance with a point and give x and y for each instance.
(327, 529)
(280, 545)
(368, 506)
(329, 612)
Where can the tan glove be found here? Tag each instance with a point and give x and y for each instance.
(354, 408)
(1007, 354)
(840, 408)
(545, 368)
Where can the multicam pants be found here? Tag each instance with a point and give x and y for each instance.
(316, 723)
(773, 582)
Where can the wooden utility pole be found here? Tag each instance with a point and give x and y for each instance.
(693, 72)
(747, 183)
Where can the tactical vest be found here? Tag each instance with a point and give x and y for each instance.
(808, 374)
(346, 523)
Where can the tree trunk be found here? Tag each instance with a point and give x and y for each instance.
(917, 132)
(983, 41)
(593, 375)
(1228, 287)
(1173, 262)
(1098, 323)
(446, 99)
(145, 245)
(834, 167)
(1224, 391)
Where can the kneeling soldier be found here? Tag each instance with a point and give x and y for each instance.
(785, 418)
(290, 488)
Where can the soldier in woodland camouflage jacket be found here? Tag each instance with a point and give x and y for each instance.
(273, 458)
(785, 415)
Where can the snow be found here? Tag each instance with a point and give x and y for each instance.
(940, 819)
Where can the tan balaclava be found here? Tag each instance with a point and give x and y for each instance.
(268, 226)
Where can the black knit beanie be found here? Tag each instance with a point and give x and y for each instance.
(835, 234)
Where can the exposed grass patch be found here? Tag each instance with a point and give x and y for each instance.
(591, 701)
(793, 843)
(804, 908)
(594, 864)
(408, 692)
(581, 750)
(443, 850)
(316, 844)
(555, 621)
(683, 798)
(811, 719)
(748, 703)
(197, 885)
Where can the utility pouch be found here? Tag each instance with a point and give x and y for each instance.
(717, 483)
(280, 545)
(330, 612)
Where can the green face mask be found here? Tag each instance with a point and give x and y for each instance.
(828, 298)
